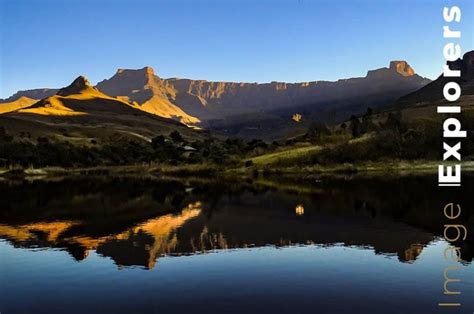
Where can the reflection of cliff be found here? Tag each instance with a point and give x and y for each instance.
(413, 252)
(140, 245)
(134, 223)
(49, 232)
(143, 244)
(270, 219)
(246, 222)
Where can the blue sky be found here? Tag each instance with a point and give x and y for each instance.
(48, 43)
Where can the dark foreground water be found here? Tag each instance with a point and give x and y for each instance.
(122, 245)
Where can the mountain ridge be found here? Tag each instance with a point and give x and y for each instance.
(148, 91)
(81, 113)
(208, 100)
(434, 90)
(220, 105)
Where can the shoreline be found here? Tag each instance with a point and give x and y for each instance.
(396, 168)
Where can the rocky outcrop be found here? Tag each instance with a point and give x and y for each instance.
(434, 90)
(79, 85)
(402, 67)
(149, 92)
(200, 102)
(214, 100)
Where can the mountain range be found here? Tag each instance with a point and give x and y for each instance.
(265, 110)
(80, 113)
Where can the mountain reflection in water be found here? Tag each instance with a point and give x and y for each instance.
(136, 221)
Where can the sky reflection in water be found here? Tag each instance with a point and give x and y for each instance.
(345, 247)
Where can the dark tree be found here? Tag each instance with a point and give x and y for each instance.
(394, 121)
(367, 125)
(176, 137)
(4, 136)
(158, 141)
(355, 126)
(316, 131)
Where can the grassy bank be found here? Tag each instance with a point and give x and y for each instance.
(141, 169)
(368, 168)
(286, 157)
(258, 169)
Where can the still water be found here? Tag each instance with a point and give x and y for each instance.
(134, 245)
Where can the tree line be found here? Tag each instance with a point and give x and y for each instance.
(172, 149)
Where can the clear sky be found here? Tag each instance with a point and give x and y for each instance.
(47, 43)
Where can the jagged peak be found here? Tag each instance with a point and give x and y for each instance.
(148, 70)
(81, 81)
(145, 70)
(402, 67)
(78, 85)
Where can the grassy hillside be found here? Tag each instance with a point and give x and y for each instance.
(81, 114)
(287, 156)
(388, 137)
(19, 103)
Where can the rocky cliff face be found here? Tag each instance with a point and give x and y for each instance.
(137, 85)
(214, 100)
(434, 90)
(79, 85)
(200, 102)
(206, 100)
(402, 67)
(147, 91)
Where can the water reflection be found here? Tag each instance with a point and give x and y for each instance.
(299, 210)
(136, 221)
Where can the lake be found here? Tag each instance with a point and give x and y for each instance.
(255, 245)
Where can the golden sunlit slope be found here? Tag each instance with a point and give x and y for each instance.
(20, 103)
(148, 91)
(81, 112)
(164, 108)
(79, 98)
(235, 108)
